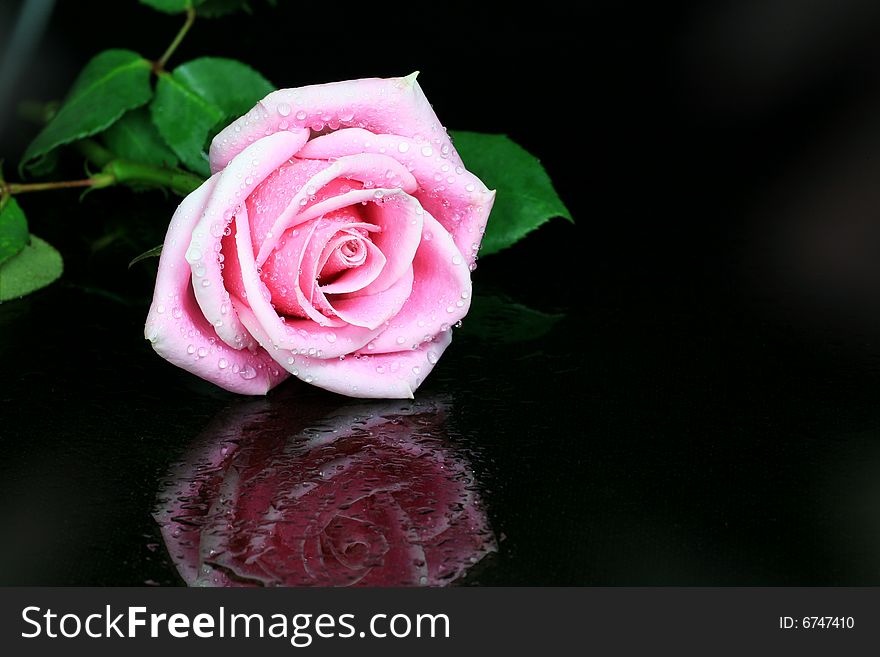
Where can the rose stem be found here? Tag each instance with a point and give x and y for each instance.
(190, 17)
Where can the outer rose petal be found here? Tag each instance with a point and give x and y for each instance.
(179, 331)
(383, 376)
(441, 293)
(232, 186)
(395, 105)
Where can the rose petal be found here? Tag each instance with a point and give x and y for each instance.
(363, 168)
(374, 310)
(179, 331)
(357, 278)
(441, 293)
(391, 376)
(279, 338)
(231, 187)
(394, 105)
(457, 198)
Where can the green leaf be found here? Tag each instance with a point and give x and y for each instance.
(155, 252)
(135, 137)
(495, 318)
(184, 120)
(198, 96)
(228, 84)
(112, 83)
(168, 6)
(13, 229)
(205, 8)
(37, 265)
(526, 198)
(217, 8)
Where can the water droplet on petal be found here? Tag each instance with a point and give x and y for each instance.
(403, 147)
(247, 372)
(223, 363)
(283, 109)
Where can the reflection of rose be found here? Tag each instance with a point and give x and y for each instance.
(369, 499)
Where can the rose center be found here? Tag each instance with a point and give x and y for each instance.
(348, 254)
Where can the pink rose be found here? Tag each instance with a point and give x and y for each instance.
(273, 496)
(333, 242)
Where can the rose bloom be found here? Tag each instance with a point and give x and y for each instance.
(334, 242)
(369, 496)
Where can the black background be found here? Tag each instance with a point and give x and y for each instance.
(707, 411)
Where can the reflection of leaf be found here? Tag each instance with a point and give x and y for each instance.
(37, 265)
(526, 198)
(13, 229)
(496, 318)
(112, 83)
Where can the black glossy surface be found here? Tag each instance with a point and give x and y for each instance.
(706, 412)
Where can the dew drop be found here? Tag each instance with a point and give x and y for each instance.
(403, 147)
(427, 151)
(283, 109)
(247, 372)
(432, 357)
(301, 115)
(223, 363)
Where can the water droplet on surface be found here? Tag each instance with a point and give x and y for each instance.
(223, 363)
(330, 337)
(160, 309)
(247, 372)
(403, 147)
(202, 352)
(432, 357)
(456, 259)
(283, 109)
(301, 115)
(427, 151)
